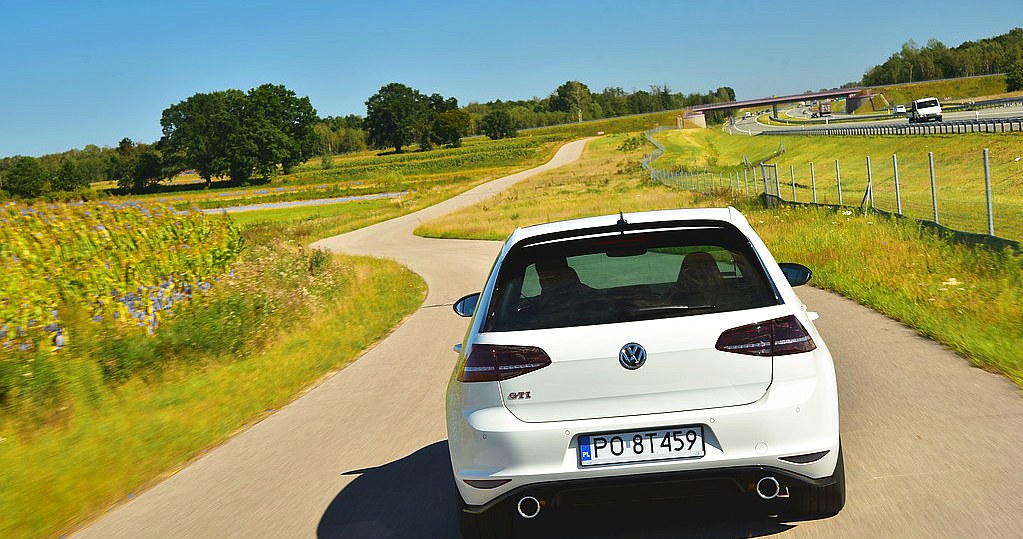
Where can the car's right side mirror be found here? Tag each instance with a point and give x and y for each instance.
(796, 274)
(466, 306)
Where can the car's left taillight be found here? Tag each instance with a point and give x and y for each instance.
(777, 337)
(492, 363)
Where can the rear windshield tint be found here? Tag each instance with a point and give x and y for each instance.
(625, 277)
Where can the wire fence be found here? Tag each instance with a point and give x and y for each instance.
(972, 207)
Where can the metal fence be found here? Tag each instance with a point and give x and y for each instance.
(970, 208)
(987, 125)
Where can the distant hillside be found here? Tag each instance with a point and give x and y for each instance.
(950, 89)
(936, 61)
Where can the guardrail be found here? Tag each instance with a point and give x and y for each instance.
(989, 125)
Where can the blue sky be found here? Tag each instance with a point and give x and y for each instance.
(76, 73)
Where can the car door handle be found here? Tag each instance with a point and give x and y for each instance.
(458, 348)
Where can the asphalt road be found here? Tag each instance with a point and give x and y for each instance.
(747, 125)
(933, 446)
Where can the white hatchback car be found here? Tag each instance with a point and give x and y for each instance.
(661, 347)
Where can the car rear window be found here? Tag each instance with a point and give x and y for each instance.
(612, 278)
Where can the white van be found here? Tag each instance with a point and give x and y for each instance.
(925, 110)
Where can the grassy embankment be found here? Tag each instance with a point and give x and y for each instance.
(991, 85)
(92, 423)
(958, 162)
(969, 299)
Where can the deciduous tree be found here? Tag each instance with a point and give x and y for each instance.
(392, 115)
(498, 124)
(26, 177)
(449, 127)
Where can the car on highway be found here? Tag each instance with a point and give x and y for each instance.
(925, 110)
(661, 353)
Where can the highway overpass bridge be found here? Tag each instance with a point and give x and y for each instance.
(853, 96)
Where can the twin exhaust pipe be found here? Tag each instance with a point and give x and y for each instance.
(768, 488)
(528, 507)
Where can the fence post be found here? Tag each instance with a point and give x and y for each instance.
(813, 183)
(870, 185)
(763, 174)
(838, 178)
(898, 194)
(745, 179)
(934, 191)
(777, 182)
(792, 180)
(987, 188)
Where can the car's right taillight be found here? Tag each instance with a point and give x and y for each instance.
(778, 337)
(491, 362)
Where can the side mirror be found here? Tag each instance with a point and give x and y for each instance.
(466, 306)
(796, 274)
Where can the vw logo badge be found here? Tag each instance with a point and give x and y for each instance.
(632, 356)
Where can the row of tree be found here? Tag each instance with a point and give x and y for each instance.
(913, 63)
(241, 135)
(227, 133)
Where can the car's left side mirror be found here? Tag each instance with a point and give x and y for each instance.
(466, 306)
(796, 274)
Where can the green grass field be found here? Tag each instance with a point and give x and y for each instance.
(958, 161)
(989, 85)
(970, 299)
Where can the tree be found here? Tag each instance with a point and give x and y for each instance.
(449, 127)
(199, 132)
(573, 97)
(280, 125)
(26, 177)
(392, 115)
(238, 134)
(136, 167)
(1014, 79)
(498, 124)
(69, 177)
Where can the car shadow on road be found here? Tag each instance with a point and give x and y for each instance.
(413, 497)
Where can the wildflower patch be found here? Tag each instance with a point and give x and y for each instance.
(126, 262)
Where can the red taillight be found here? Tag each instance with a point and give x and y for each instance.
(778, 337)
(490, 362)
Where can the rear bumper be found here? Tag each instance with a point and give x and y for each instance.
(795, 417)
(582, 492)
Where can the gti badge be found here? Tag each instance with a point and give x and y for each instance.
(632, 356)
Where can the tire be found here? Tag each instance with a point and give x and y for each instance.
(822, 502)
(493, 524)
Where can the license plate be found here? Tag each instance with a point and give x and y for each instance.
(641, 446)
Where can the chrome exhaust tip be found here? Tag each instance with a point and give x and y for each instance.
(768, 488)
(528, 507)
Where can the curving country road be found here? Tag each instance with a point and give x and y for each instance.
(933, 446)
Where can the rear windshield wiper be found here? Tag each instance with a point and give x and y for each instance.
(670, 308)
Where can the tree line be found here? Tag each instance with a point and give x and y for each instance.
(230, 133)
(269, 129)
(1000, 54)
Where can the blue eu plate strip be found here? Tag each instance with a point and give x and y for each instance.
(584, 449)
